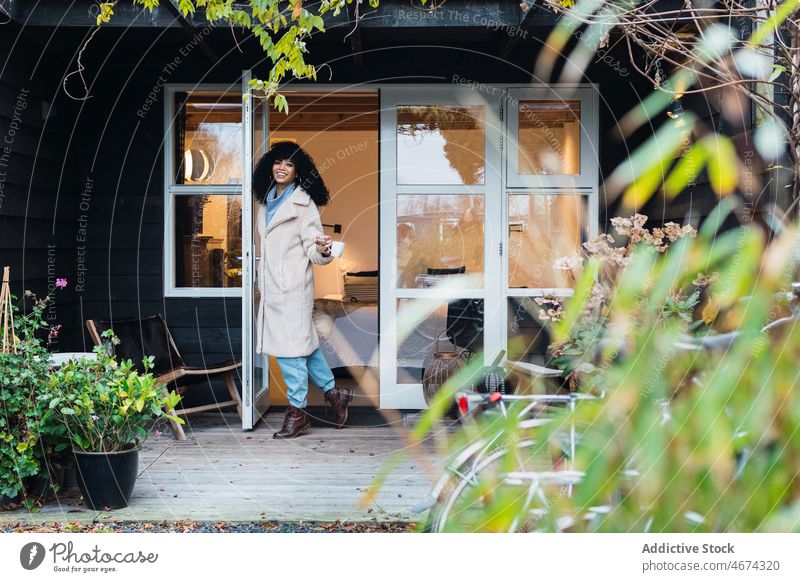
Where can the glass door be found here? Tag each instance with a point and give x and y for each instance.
(441, 234)
(255, 366)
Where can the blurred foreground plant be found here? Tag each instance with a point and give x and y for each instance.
(693, 440)
(684, 439)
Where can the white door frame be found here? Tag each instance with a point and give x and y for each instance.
(410, 396)
(255, 387)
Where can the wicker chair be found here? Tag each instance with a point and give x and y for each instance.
(150, 336)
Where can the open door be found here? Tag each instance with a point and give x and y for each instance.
(255, 366)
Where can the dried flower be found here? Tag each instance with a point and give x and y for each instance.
(61, 282)
(702, 279)
(567, 263)
(599, 244)
(554, 308)
(622, 225)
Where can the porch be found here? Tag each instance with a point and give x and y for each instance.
(223, 474)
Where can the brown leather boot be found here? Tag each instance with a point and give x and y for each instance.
(294, 423)
(339, 398)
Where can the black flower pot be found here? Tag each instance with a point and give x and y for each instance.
(106, 480)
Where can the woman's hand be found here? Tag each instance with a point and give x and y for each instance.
(324, 244)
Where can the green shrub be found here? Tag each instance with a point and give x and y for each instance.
(103, 405)
(22, 375)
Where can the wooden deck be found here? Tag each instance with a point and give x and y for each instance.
(224, 474)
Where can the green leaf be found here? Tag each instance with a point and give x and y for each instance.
(687, 169)
(784, 10)
(722, 164)
(777, 71)
(657, 152)
(574, 307)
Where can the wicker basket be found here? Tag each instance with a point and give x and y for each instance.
(439, 368)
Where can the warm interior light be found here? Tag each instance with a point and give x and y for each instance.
(206, 166)
(187, 166)
(200, 171)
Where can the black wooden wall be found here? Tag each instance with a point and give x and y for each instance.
(36, 185)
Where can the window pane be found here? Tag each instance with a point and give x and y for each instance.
(457, 324)
(208, 241)
(527, 336)
(439, 236)
(208, 136)
(541, 229)
(439, 144)
(549, 137)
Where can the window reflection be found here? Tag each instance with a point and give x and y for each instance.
(549, 137)
(528, 337)
(439, 144)
(449, 327)
(439, 236)
(542, 228)
(208, 139)
(208, 241)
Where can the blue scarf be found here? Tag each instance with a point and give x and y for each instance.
(274, 203)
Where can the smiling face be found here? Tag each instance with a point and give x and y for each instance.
(283, 172)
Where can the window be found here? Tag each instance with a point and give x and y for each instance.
(543, 228)
(552, 142)
(203, 208)
(440, 144)
(439, 235)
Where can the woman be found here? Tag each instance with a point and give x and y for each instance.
(289, 189)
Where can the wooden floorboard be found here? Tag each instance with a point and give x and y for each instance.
(224, 474)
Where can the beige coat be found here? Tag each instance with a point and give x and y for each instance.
(284, 326)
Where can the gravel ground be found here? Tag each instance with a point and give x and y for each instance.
(210, 527)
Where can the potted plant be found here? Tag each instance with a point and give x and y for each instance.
(23, 372)
(105, 408)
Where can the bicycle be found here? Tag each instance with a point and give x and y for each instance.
(451, 493)
(463, 485)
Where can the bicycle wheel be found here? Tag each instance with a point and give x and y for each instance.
(485, 496)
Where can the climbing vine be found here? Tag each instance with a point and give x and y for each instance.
(282, 28)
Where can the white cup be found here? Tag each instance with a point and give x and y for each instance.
(337, 248)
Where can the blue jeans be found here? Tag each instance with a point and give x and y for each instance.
(296, 372)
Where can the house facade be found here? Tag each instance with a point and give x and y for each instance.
(457, 179)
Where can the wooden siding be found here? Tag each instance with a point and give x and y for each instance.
(36, 218)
